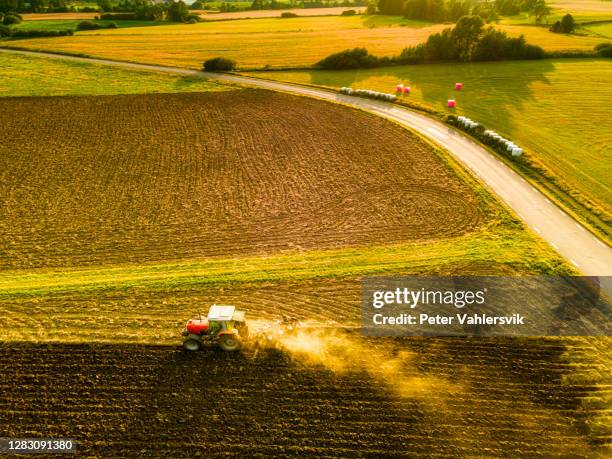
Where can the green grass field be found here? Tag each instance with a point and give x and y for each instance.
(31, 76)
(273, 42)
(603, 30)
(558, 110)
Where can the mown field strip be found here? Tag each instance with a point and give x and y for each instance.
(298, 266)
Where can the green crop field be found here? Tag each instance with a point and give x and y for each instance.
(33, 76)
(603, 30)
(274, 42)
(557, 109)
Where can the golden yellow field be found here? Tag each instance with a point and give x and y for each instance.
(56, 16)
(276, 13)
(592, 6)
(273, 42)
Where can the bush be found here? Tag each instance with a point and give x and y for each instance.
(349, 13)
(119, 16)
(4, 31)
(349, 59)
(88, 9)
(219, 64)
(11, 19)
(604, 49)
(89, 25)
(192, 18)
(177, 11)
(288, 14)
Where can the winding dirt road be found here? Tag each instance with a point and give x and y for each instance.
(582, 249)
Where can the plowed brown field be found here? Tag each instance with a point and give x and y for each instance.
(89, 180)
(459, 398)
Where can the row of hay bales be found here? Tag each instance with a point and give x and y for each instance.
(488, 137)
(369, 94)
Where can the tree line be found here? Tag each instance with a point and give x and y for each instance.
(468, 41)
(452, 10)
(33, 6)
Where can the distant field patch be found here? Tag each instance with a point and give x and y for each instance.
(22, 75)
(603, 30)
(598, 6)
(558, 110)
(56, 16)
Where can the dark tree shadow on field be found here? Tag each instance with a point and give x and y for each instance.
(190, 82)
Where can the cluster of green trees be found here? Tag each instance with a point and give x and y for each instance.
(468, 41)
(146, 10)
(33, 6)
(604, 49)
(537, 9)
(565, 25)
(10, 19)
(427, 10)
(452, 10)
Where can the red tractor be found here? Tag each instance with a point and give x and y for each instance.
(223, 326)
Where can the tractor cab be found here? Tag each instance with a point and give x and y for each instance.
(224, 325)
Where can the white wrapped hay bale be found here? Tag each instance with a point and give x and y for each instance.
(516, 152)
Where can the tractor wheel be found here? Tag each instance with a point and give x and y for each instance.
(229, 343)
(192, 345)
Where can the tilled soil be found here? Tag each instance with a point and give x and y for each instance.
(461, 398)
(140, 178)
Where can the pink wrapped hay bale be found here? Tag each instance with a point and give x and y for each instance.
(458, 86)
(399, 88)
(406, 89)
(452, 103)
